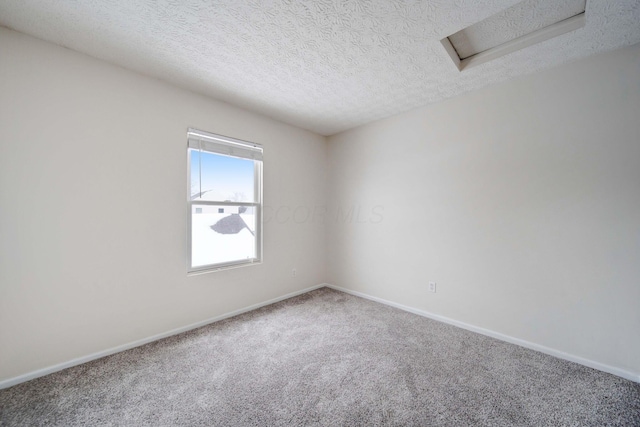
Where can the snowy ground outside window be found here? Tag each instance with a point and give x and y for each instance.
(212, 247)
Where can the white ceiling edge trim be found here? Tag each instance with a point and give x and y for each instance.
(538, 36)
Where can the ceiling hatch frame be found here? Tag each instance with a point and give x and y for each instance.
(542, 34)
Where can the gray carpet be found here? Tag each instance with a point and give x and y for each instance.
(331, 359)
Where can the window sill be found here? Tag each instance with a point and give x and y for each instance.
(206, 270)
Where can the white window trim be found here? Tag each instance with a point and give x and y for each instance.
(224, 145)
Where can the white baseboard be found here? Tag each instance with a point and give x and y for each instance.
(84, 359)
(537, 347)
(80, 360)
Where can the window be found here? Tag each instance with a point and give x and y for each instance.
(224, 225)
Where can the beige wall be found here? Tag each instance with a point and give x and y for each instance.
(93, 207)
(522, 201)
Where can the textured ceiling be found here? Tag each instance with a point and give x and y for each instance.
(323, 65)
(516, 21)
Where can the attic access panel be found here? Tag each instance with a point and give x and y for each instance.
(522, 25)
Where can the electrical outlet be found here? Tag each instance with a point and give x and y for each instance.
(294, 272)
(432, 287)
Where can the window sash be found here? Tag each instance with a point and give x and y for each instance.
(257, 180)
(227, 264)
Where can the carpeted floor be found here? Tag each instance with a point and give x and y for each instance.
(331, 359)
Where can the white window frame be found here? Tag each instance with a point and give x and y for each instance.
(224, 145)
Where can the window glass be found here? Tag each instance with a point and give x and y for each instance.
(222, 234)
(216, 177)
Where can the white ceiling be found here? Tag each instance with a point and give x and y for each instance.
(323, 65)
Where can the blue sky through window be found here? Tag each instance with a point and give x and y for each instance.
(224, 178)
